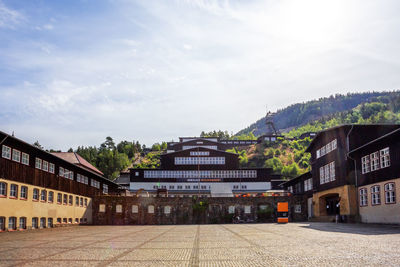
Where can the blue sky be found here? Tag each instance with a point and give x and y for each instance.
(74, 72)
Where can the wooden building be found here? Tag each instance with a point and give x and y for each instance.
(39, 189)
(333, 171)
(207, 142)
(377, 178)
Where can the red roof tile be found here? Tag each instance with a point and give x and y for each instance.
(75, 158)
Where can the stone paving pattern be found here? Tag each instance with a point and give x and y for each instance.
(294, 244)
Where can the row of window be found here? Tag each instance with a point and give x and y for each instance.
(190, 147)
(390, 194)
(201, 174)
(42, 194)
(15, 155)
(42, 222)
(199, 153)
(21, 157)
(181, 187)
(239, 142)
(199, 160)
(327, 173)
(327, 148)
(376, 160)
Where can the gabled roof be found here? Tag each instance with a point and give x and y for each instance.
(76, 159)
(196, 139)
(397, 131)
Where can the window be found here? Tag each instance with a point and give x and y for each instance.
(363, 197)
(2, 223)
(323, 150)
(76, 220)
(135, 208)
(247, 209)
(167, 210)
(365, 166)
(58, 220)
(61, 171)
(65, 220)
(327, 173)
(34, 223)
(22, 223)
(171, 187)
(13, 191)
(71, 200)
(231, 209)
(65, 202)
(390, 193)
(70, 220)
(318, 153)
(179, 187)
(105, 189)
(3, 189)
(308, 184)
(136, 173)
(59, 198)
(321, 175)
(35, 195)
(334, 144)
(385, 158)
(118, 208)
(6, 152)
(187, 186)
(45, 166)
(86, 202)
(66, 173)
(374, 161)
(290, 189)
(16, 155)
(51, 197)
(43, 195)
(95, 183)
(102, 208)
(42, 222)
(12, 223)
(25, 158)
(38, 163)
(244, 186)
(81, 201)
(71, 175)
(376, 195)
(297, 208)
(76, 201)
(50, 222)
(150, 209)
(24, 192)
(51, 168)
(332, 176)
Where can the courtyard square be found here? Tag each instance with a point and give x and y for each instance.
(293, 244)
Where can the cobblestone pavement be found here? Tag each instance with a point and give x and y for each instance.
(294, 244)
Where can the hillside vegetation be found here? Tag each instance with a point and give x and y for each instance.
(300, 114)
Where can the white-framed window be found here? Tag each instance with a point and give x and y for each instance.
(51, 168)
(231, 209)
(326, 171)
(390, 193)
(45, 166)
(25, 158)
(135, 209)
(167, 209)
(318, 153)
(6, 152)
(118, 208)
(3, 189)
(22, 223)
(323, 151)
(24, 192)
(59, 198)
(365, 166)
(16, 155)
(332, 173)
(35, 195)
(43, 222)
(14, 190)
(71, 175)
(308, 185)
(333, 144)
(297, 208)
(102, 207)
(66, 173)
(51, 196)
(247, 209)
(150, 209)
(38, 163)
(2, 223)
(376, 195)
(363, 197)
(321, 175)
(105, 189)
(385, 157)
(61, 171)
(12, 223)
(34, 222)
(290, 189)
(374, 161)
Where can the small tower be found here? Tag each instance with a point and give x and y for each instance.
(269, 123)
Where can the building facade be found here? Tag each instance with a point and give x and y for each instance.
(39, 189)
(377, 166)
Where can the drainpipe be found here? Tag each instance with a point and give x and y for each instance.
(355, 171)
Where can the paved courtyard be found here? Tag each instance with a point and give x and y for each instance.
(294, 244)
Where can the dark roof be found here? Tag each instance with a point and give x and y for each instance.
(397, 131)
(53, 156)
(346, 126)
(296, 179)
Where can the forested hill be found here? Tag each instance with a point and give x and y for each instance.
(301, 113)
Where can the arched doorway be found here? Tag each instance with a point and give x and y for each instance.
(329, 204)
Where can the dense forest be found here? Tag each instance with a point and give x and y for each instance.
(285, 157)
(302, 113)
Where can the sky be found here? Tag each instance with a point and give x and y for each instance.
(73, 72)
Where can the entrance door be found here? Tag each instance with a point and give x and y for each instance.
(310, 207)
(332, 205)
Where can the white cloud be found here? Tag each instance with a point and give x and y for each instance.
(9, 18)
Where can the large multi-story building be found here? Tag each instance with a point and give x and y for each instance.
(207, 142)
(333, 172)
(39, 189)
(199, 166)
